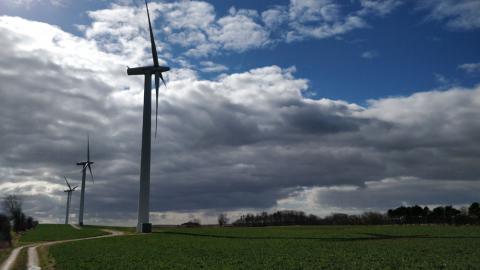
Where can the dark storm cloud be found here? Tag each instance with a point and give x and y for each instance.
(391, 193)
(242, 141)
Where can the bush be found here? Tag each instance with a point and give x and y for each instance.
(401, 215)
(19, 222)
(222, 219)
(5, 228)
(29, 224)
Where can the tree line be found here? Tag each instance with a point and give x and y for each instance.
(13, 215)
(401, 215)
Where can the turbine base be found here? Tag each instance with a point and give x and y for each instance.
(144, 228)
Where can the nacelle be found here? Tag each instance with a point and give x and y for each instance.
(146, 70)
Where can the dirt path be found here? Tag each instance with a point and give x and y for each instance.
(75, 226)
(10, 261)
(33, 261)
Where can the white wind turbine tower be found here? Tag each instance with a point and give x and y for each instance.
(69, 191)
(144, 224)
(85, 164)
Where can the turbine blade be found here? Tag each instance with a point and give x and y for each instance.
(91, 174)
(88, 147)
(161, 77)
(157, 85)
(157, 80)
(67, 182)
(152, 40)
(73, 189)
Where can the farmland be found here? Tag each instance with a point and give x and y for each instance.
(53, 232)
(325, 247)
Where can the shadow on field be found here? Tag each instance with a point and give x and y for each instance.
(425, 236)
(371, 236)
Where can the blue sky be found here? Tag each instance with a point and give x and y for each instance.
(314, 105)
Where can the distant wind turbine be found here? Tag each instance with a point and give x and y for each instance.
(85, 164)
(69, 198)
(143, 224)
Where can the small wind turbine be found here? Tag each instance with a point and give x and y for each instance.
(143, 224)
(69, 198)
(85, 164)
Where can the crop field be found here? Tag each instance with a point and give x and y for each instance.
(126, 230)
(53, 232)
(326, 247)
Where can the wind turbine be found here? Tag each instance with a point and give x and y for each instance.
(69, 198)
(85, 164)
(143, 224)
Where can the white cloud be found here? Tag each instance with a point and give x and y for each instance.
(122, 30)
(319, 19)
(306, 11)
(470, 67)
(379, 7)
(209, 66)
(30, 188)
(441, 79)
(241, 141)
(370, 54)
(239, 31)
(187, 14)
(458, 14)
(382, 194)
(195, 26)
(191, 24)
(275, 17)
(31, 3)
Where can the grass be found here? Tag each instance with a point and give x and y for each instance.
(47, 262)
(54, 232)
(127, 230)
(21, 261)
(323, 247)
(4, 254)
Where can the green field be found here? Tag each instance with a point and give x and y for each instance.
(126, 230)
(53, 232)
(326, 247)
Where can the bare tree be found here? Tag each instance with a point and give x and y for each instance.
(12, 204)
(222, 219)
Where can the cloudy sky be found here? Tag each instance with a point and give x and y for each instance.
(315, 105)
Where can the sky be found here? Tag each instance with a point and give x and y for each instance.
(315, 105)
